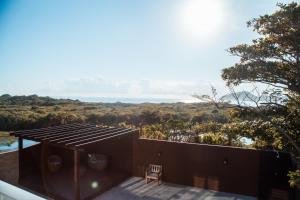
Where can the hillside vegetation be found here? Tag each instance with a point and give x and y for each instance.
(24, 112)
(196, 122)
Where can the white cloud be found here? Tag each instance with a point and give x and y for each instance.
(99, 87)
(138, 88)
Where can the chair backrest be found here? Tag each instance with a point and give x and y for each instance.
(155, 168)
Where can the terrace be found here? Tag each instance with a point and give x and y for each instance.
(136, 188)
(190, 171)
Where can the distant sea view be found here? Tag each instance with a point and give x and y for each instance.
(246, 99)
(129, 99)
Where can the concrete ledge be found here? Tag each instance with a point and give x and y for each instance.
(8, 191)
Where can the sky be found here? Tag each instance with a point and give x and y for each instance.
(132, 48)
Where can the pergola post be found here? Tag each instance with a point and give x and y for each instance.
(20, 149)
(77, 174)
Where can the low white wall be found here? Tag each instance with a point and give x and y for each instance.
(10, 192)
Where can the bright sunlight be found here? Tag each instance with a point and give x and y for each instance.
(201, 19)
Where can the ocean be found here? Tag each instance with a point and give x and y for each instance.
(129, 99)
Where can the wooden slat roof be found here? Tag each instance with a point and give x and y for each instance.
(72, 136)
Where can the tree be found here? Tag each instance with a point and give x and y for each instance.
(274, 58)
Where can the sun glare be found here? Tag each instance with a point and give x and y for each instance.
(201, 19)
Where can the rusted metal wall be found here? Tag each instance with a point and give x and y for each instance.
(31, 160)
(227, 169)
(120, 158)
(9, 167)
(119, 151)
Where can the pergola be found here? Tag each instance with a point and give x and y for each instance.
(75, 137)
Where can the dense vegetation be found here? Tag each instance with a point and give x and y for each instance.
(197, 122)
(6, 139)
(25, 112)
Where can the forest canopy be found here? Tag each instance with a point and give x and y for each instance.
(195, 122)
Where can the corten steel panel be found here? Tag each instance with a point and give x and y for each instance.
(9, 167)
(119, 150)
(226, 169)
(30, 170)
(30, 162)
(274, 168)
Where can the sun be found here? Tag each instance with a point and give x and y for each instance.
(201, 19)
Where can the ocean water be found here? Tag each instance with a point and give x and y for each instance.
(130, 99)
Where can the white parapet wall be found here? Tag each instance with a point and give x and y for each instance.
(11, 192)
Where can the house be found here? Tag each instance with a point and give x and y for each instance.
(70, 147)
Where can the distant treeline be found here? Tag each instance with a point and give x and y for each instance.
(25, 112)
(7, 99)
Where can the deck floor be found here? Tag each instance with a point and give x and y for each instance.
(136, 189)
(60, 185)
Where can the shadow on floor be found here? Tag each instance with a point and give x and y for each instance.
(136, 189)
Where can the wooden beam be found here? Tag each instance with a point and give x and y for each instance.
(77, 175)
(92, 138)
(64, 133)
(105, 138)
(55, 131)
(44, 129)
(88, 135)
(71, 137)
(58, 145)
(60, 136)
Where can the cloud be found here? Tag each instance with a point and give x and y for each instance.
(100, 87)
(137, 88)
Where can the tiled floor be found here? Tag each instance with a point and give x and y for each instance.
(137, 189)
